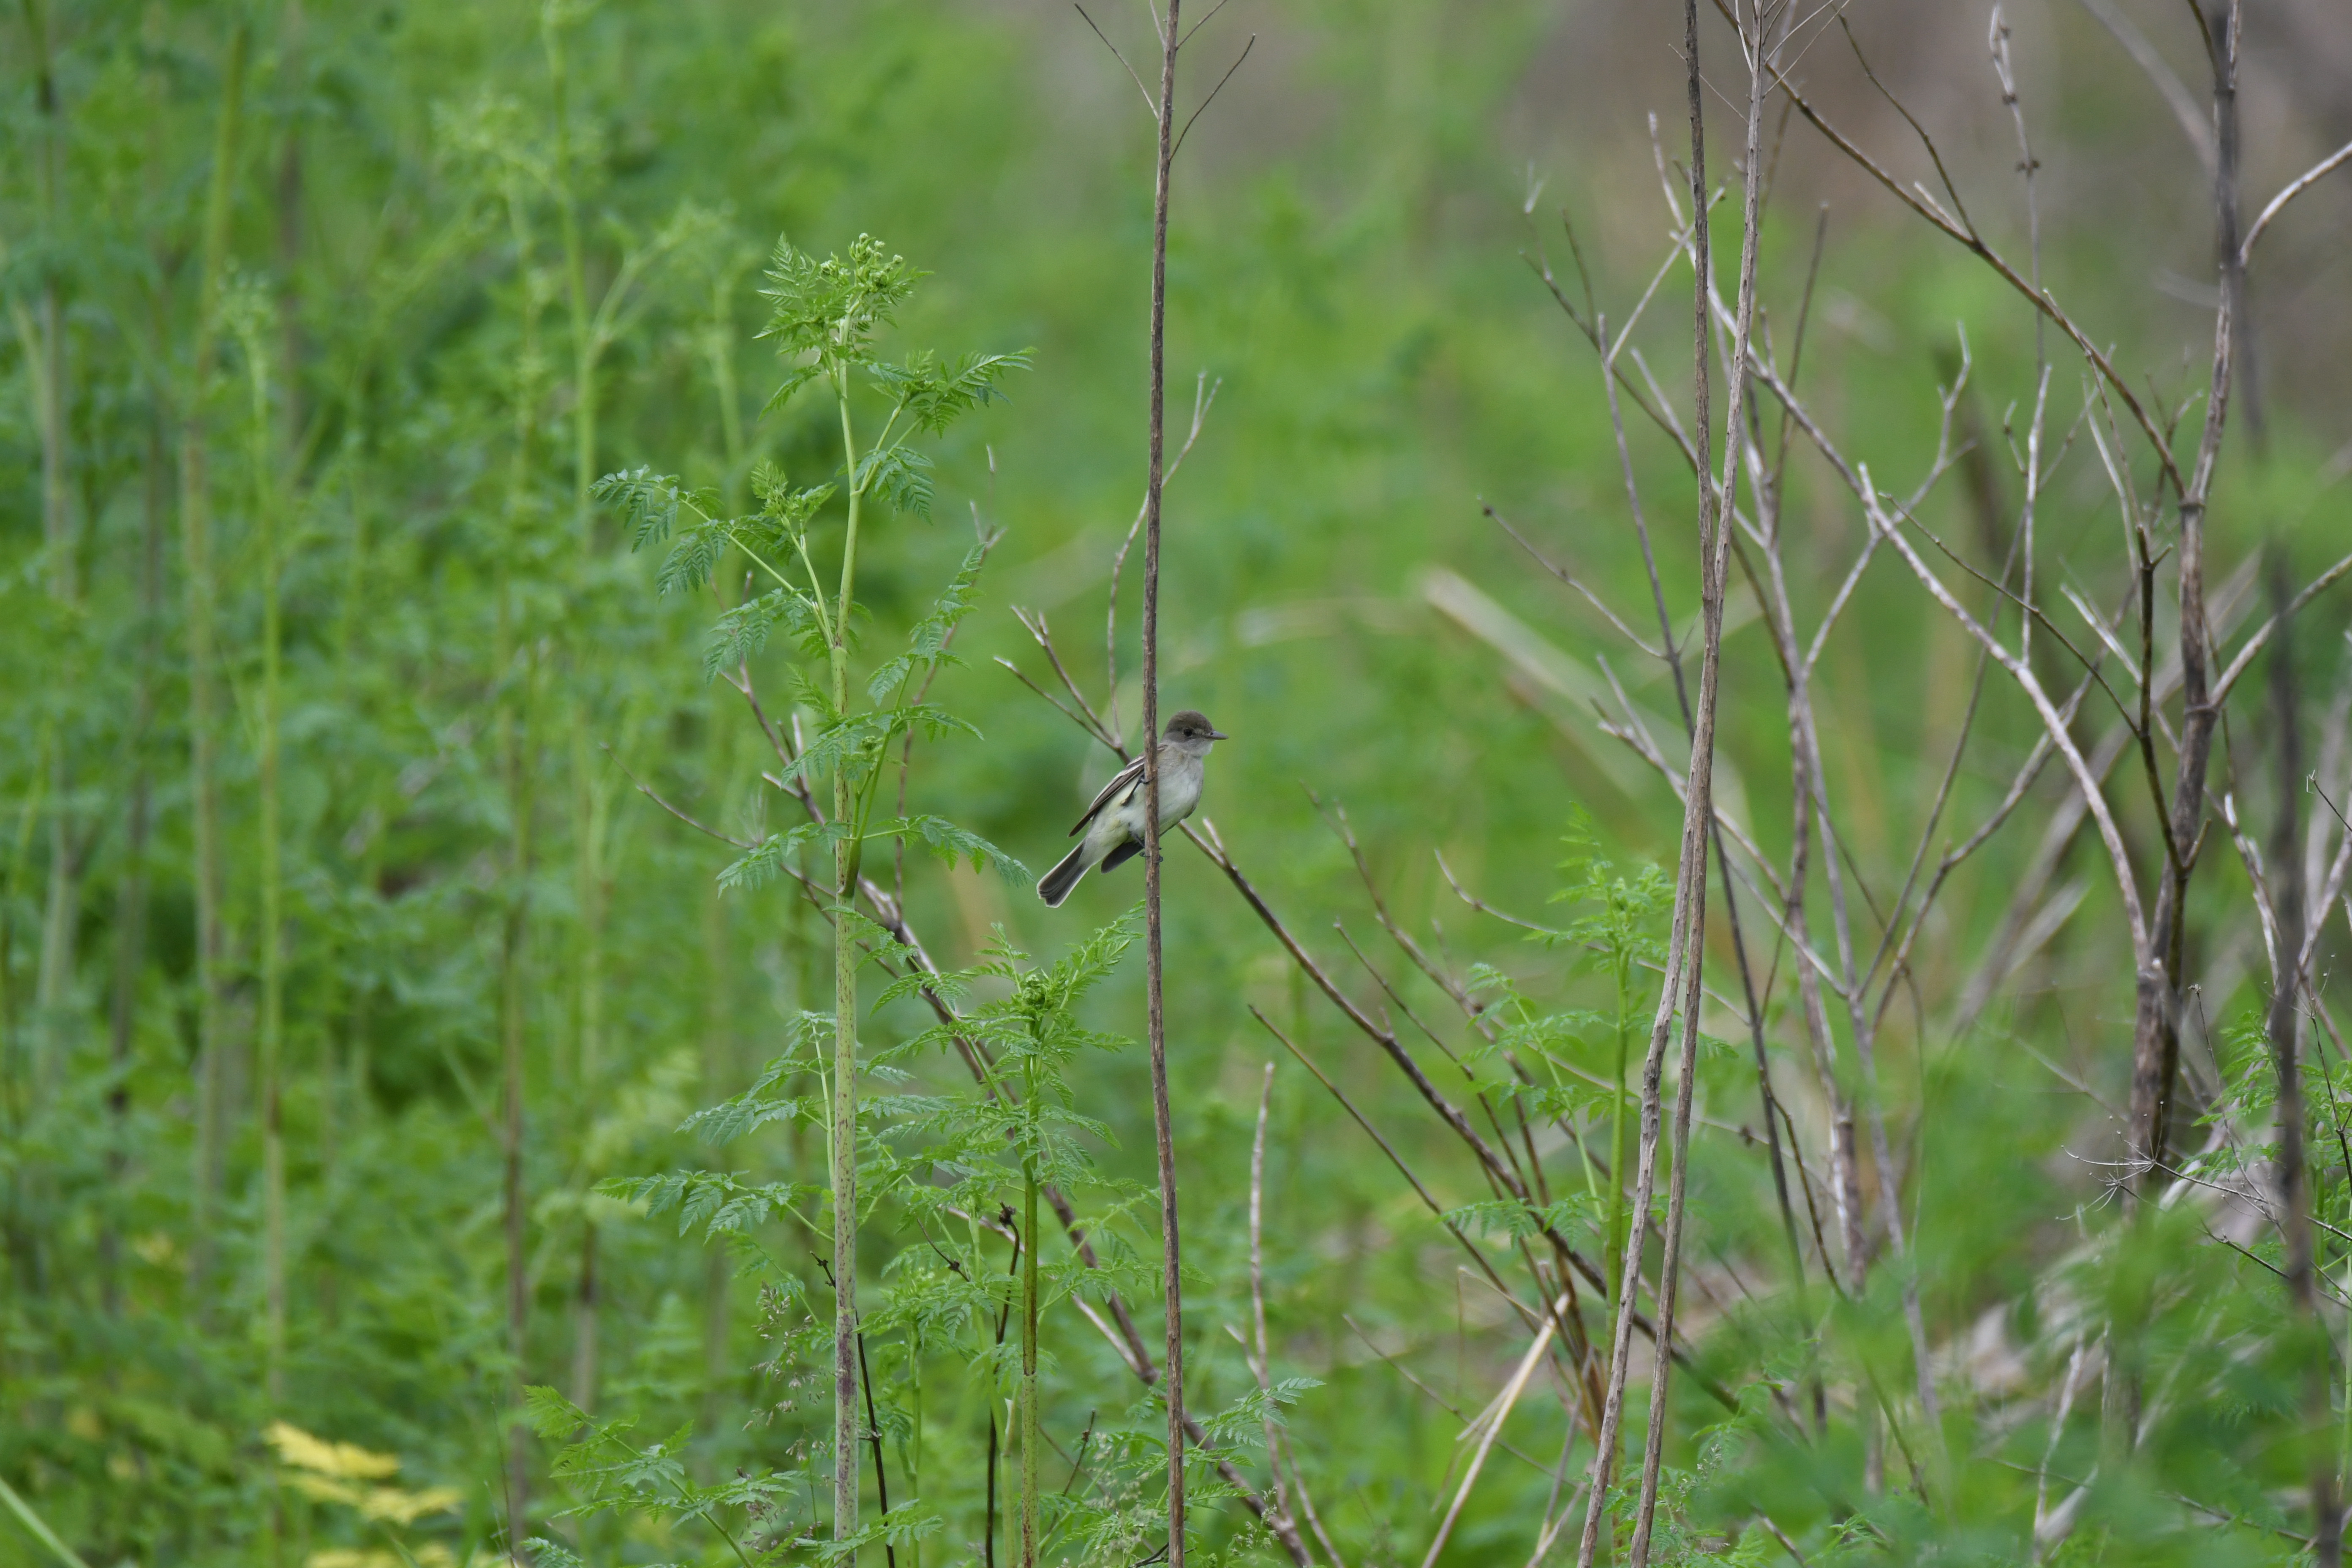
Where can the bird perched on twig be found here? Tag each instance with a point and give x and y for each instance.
(1113, 824)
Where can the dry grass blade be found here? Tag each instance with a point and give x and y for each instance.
(1489, 1426)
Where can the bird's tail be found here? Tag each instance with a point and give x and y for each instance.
(1055, 885)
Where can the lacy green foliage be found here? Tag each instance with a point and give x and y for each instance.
(941, 1172)
(1511, 1220)
(946, 843)
(1619, 924)
(605, 1468)
(447, 616)
(825, 319)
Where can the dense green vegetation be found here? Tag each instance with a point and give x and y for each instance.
(484, 859)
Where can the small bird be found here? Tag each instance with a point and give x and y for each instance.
(1116, 833)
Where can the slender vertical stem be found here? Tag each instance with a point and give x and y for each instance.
(273, 914)
(718, 1018)
(1612, 1257)
(988, 1528)
(717, 1072)
(516, 746)
(289, 228)
(195, 552)
(874, 1440)
(61, 919)
(1278, 1501)
(2156, 1032)
(1172, 1252)
(131, 895)
(913, 1457)
(843, 1114)
(1032, 1445)
(587, 835)
(1715, 534)
(988, 1536)
(1686, 938)
(343, 1089)
(517, 681)
(2286, 899)
(575, 275)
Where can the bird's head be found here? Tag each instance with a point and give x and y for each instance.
(1191, 732)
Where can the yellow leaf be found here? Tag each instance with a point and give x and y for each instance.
(348, 1460)
(351, 1557)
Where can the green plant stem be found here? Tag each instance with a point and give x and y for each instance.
(843, 1114)
(1615, 1259)
(515, 734)
(45, 352)
(588, 872)
(575, 279)
(515, 746)
(717, 1051)
(38, 1527)
(195, 553)
(1032, 1445)
(915, 1463)
(273, 917)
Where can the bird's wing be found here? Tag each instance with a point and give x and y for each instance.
(1120, 781)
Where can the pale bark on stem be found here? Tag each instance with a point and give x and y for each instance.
(1866, 1068)
(1810, 808)
(1274, 1509)
(1673, 656)
(1686, 935)
(2156, 1035)
(1887, 527)
(1714, 539)
(1261, 1362)
(1172, 1254)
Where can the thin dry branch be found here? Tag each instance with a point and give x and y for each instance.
(1967, 238)
(2294, 188)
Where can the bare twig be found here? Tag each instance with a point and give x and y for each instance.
(1147, 106)
(2294, 188)
(1216, 90)
(1261, 1362)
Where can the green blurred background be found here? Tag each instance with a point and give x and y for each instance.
(1356, 227)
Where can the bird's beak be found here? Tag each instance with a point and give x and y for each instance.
(1219, 735)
